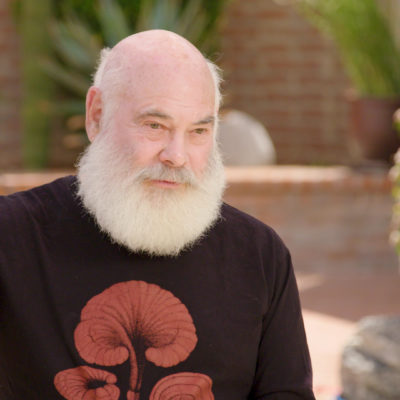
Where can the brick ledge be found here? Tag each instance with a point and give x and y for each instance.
(306, 178)
(266, 178)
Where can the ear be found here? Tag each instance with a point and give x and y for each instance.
(94, 110)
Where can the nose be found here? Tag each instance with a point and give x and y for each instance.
(174, 152)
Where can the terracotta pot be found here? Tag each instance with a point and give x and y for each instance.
(371, 127)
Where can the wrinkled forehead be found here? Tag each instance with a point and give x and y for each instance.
(174, 94)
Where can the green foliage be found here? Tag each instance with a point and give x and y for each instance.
(62, 40)
(37, 89)
(88, 10)
(365, 42)
(77, 40)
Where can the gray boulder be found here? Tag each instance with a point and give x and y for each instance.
(244, 140)
(371, 360)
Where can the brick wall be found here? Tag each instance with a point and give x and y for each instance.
(280, 70)
(10, 91)
(331, 218)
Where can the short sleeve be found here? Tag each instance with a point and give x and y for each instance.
(283, 369)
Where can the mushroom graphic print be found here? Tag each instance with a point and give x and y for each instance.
(86, 383)
(181, 386)
(131, 321)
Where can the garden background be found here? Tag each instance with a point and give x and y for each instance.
(332, 207)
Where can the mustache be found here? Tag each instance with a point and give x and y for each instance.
(164, 173)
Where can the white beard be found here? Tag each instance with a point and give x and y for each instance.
(148, 219)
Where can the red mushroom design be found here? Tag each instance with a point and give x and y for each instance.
(138, 321)
(85, 383)
(183, 386)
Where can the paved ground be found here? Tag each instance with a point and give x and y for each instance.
(333, 302)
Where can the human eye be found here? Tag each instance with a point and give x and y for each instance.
(154, 125)
(154, 130)
(200, 135)
(200, 131)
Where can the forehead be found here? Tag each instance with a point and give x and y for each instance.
(182, 85)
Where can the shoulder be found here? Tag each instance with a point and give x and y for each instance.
(249, 228)
(253, 244)
(37, 204)
(258, 251)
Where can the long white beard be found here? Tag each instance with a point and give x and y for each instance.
(148, 219)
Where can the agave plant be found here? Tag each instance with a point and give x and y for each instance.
(77, 45)
(365, 41)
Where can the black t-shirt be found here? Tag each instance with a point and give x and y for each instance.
(82, 316)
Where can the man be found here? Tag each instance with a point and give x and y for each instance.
(133, 280)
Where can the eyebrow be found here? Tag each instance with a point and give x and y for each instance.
(159, 114)
(154, 113)
(208, 120)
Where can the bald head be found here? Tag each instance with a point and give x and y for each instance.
(151, 56)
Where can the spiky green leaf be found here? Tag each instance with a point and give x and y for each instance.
(113, 22)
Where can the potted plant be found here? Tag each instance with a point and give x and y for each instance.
(369, 53)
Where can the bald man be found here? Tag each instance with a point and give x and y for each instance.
(133, 280)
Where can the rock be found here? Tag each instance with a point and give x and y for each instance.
(371, 360)
(244, 140)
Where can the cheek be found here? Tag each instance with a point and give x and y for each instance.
(124, 144)
(145, 152)
(119, 133)
(200, 158)
(134, 143)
